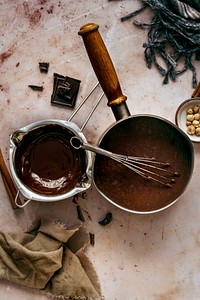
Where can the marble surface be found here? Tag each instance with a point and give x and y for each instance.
(139, 257)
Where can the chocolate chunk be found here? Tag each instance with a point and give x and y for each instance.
(44, 67)
(65, 90)
(36, 87)
(92, 238)
(80, 214)
(106, 220)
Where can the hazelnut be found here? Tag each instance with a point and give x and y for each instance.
(193, 120)
(197, 131)
(191, 129)
(197, 116)
(196, 109)
(195, 123)
(190, 111)
(190, 118)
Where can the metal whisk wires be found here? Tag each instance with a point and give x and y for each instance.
(148, 168)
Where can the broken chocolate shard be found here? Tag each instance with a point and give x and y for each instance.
(44, 67)
(65, 90)
(106, 220)
(80, 214)
(92, 238)
(36, 87)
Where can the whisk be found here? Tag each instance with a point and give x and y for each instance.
(144, 166)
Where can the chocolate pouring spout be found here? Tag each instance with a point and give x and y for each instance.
(17, 137)
(104, 69)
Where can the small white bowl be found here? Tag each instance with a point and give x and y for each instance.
(181, 114)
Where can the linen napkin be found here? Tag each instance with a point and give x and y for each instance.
(51, 259)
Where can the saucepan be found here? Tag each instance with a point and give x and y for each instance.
(43, 164)
(138, 135)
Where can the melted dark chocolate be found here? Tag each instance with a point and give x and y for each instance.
(146, 137)
(47, 163)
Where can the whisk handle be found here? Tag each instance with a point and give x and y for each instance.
(77, 144)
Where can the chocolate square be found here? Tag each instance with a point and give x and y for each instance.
(65, 90)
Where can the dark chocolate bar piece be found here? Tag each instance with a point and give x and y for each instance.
(36, 87)
(65, 90)
(92, 238)
(80, 214)
(106, 220)
(44, 67)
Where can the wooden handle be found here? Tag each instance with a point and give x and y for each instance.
(102, 64)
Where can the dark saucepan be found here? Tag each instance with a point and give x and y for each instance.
(140, 135)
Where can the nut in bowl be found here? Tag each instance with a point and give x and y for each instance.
(188, 118)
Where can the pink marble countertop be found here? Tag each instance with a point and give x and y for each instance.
(143, 257)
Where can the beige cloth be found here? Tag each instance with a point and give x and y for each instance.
(50, 258)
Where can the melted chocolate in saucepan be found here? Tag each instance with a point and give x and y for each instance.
(46, 162)
(145, 137)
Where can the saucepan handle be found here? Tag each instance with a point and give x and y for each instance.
(102, 64)
(19, 204)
